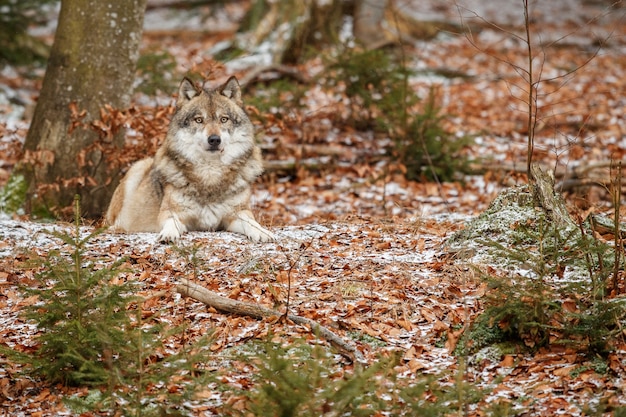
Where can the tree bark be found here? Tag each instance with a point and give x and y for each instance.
(368, 18)
(283, 29)
(549, 200)
(91, 65)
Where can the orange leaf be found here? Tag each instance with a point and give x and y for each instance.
(508, 361)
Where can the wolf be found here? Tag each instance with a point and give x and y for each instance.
(200, 177)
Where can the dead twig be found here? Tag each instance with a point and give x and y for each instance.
(197, 292)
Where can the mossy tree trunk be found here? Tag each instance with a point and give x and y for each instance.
(91, 65)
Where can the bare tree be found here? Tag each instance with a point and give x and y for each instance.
(91, 66)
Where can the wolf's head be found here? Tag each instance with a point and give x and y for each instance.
(210, 124)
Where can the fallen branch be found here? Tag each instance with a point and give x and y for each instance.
(281, 70)
(569, 177)
(318, 150)
(197, 292)
(573, 183)
(604, 225)
(292, 165)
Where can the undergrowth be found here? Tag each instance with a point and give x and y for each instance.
(154, 70)
(17, 46)
(562, 285)
(305, 380)
(81, 316)
(274, 97)
(381, 99)
(562, 297)
(13, 194)
(92, 334)
(301, 380)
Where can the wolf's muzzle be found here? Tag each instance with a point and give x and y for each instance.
(214, 142)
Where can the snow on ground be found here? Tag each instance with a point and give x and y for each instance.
(363, 251)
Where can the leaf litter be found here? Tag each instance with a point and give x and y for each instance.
(363, 248)
(343, 275)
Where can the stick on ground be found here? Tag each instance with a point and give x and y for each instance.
(227, 305)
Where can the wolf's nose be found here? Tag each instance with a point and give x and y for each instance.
(214, 141)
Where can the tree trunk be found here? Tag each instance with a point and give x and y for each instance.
(286, 28)
(368, 19)
(283, 29)
(91, 64)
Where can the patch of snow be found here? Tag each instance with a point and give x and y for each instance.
(249, 61)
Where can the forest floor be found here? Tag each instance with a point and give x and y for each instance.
(360, 249)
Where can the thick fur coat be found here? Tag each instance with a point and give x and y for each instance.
(201, 176)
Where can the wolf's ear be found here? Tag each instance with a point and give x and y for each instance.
(186, 91)
(232, 90)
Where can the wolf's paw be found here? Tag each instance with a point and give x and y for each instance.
(165, 238)
(245, 224)
(261, 235)
(170, 233)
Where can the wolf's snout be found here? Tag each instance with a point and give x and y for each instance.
(214, 142)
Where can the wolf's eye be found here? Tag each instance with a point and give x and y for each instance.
(198, 120)
(223, 119)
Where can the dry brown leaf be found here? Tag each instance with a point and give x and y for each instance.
(564, 370)
(508, 361)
